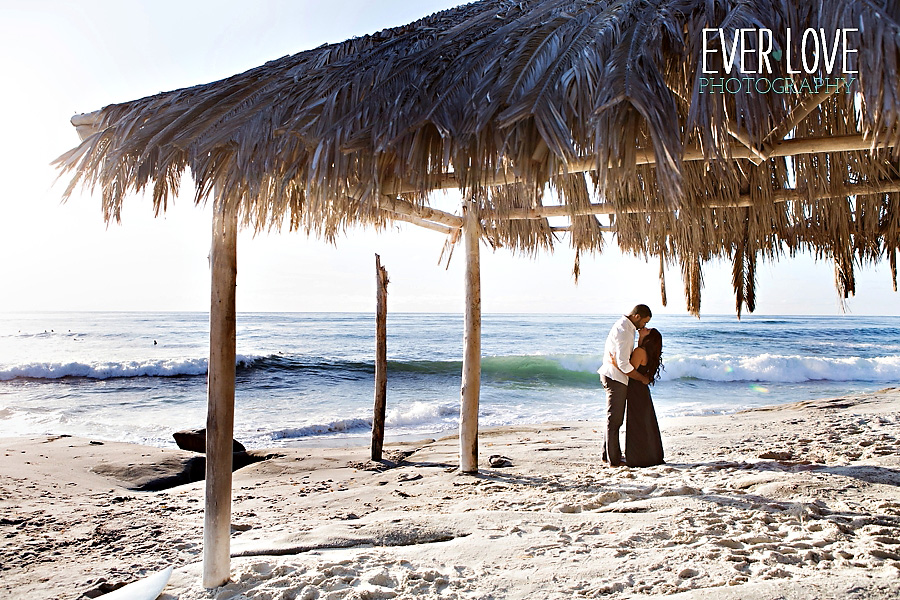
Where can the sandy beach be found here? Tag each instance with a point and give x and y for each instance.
(793, 501)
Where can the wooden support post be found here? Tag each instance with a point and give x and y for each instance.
(381, 280)
(220, 400)
(471, 369)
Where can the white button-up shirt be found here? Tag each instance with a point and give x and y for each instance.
(619, 343)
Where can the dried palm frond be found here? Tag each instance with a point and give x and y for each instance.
(693, 283)
(892, 258)
(662, 279)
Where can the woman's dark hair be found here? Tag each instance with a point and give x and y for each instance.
(652, 345)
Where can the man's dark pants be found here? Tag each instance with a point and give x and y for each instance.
(615, 414)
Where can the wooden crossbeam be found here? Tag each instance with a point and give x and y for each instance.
(565, 228)
(744, 200)
(792, 147)
(800, 112)
(741, 135)
(421, 222)
(404, 207)
(607, 208)
(86, 124)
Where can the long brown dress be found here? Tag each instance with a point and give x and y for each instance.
(643, 444)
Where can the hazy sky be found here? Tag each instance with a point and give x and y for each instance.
(60, 58)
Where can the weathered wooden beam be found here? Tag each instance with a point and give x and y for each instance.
(856, 189)
(837, 143)
(565, 228)
(404, 207)
(381, 283)
(741, 135)
(792, 147)
(744, 200)
(86, 124)
(220, 400)
(471, 368)
(799, 112)
(606, 208)
(558, 210)
(420, 222)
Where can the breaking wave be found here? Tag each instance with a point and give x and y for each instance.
(552, 370)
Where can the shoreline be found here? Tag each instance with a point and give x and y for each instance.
(799, 497)
(363, 439)
(114, 382)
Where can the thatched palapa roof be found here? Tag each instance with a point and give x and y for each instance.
(601, 102)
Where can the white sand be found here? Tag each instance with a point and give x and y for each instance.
(798, 501)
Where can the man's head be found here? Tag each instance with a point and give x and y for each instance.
(640, 315)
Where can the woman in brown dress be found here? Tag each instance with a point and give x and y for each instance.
(643, 444)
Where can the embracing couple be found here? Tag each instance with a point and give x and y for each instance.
(627, 373)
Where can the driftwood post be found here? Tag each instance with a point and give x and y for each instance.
(220, 400)
(381, 280)
(471, 370)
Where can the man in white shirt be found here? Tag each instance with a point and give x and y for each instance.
(614, 374)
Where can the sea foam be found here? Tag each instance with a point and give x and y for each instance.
(111, 369)
(402, 419)
(781, 369)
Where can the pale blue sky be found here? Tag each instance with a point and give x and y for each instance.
(59, 58)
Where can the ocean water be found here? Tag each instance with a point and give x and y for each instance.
(309, 378)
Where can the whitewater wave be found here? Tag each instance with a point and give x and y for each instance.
(401, 419)
(581, 370)
(109, 370)
(338, 426)
(775, 368)
(420, 413)
(577, 371)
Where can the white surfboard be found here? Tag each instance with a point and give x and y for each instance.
(148, 588)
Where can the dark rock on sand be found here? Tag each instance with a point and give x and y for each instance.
(777, 455)
(102, 587)
(195, 441)
(498, 461)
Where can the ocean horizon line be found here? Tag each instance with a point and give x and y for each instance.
(744, 317)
